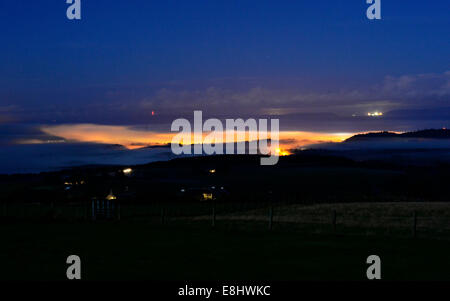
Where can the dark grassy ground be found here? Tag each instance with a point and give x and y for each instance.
(141, 251)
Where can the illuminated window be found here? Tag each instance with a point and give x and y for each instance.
(207, 196)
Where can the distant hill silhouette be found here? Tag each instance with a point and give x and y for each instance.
(430, 134)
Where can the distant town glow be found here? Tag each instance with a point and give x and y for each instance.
(133, 138)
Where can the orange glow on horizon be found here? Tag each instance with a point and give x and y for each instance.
(132, 138)
(108, 134)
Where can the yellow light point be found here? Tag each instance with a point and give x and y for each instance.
(375, 114)
(207, 196)
(127, 171)
(111, 196)
(212, 171)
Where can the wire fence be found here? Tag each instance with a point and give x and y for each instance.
(426, 220)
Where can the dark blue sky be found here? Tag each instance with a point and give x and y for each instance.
(127, 58)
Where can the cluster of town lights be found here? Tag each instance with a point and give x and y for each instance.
(375, 114)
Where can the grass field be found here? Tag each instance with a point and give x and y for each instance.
(142, 251)
(430, 220)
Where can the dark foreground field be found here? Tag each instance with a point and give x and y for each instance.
(326, 216)
(141, 251)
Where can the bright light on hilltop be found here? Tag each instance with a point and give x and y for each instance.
(375, 114)
(281, 152)
(127, 171)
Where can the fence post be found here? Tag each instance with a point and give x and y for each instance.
(107, 209)
(271, 215)
(52, 210)
(162, 215)
(93, 207)
(213, 221)
(86, 206)
(415, 224)
(334, 221)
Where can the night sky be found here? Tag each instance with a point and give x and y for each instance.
(319, 66)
